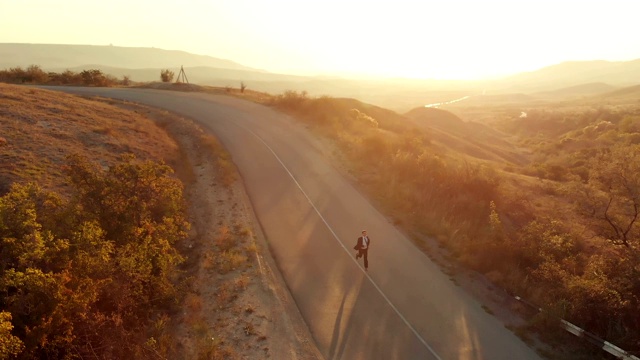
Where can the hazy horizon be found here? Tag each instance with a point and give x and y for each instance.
(451, 40)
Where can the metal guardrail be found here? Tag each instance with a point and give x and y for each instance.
(579, 332)
(604, 345)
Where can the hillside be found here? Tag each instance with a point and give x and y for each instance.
(466, 138)
(630, 94)
(41, 128)
(218, 280)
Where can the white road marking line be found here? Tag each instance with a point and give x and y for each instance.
(347, 250)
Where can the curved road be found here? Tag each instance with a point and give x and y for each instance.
(403, 308)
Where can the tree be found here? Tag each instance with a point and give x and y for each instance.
(166, 75)
(35, 74)
(612, 195)
(17, 75)
(69, 77)
(242, 86)
(93, 77)
(9, 345)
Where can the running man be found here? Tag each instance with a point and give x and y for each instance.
(363, 248)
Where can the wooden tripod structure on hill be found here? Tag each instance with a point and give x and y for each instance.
(182, 76)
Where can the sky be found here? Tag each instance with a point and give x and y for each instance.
(452, 39)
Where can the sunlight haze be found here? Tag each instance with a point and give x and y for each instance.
(402, 38)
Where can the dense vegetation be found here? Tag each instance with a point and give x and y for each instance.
(91, 273)
(563, 231)
(35, 75)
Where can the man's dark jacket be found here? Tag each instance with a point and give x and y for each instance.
(359, 244)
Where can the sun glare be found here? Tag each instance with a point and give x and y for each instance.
(403, 38)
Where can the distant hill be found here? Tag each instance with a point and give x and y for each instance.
(579, 90)
(52, 56)
(628, 93)
(567, 74)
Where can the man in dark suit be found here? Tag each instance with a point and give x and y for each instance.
(363, 248)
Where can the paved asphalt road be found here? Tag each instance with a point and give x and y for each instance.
(403, 308)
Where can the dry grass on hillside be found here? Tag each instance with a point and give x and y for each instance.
(40, 128)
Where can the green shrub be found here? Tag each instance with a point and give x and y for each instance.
(83, 276)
